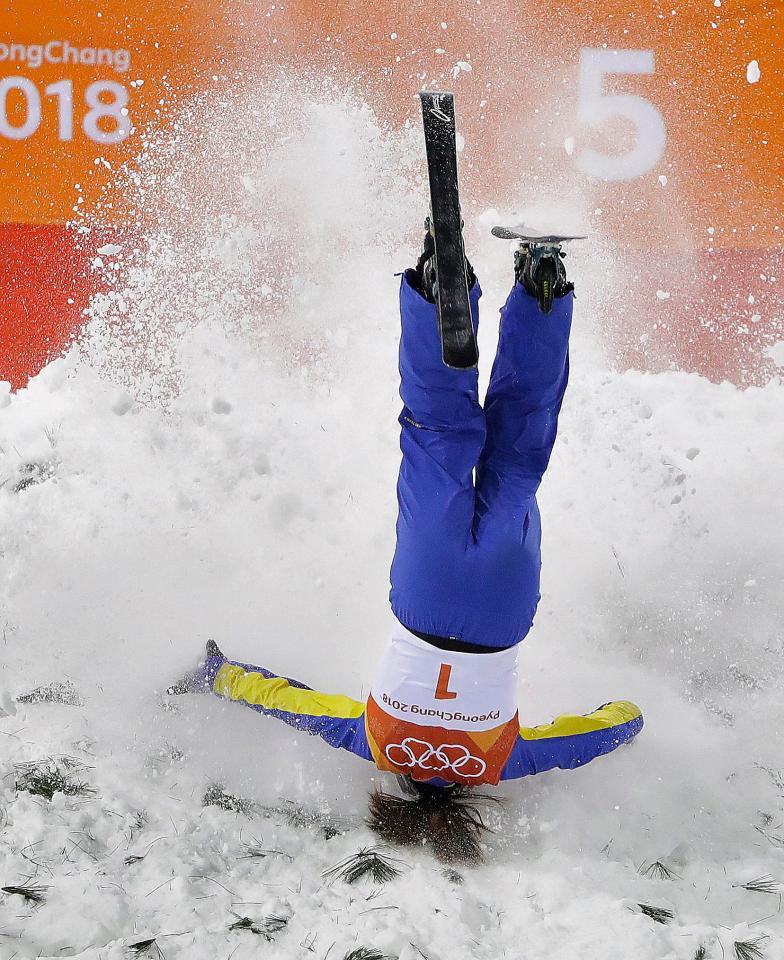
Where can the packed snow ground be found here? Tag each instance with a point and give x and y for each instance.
(217, 459)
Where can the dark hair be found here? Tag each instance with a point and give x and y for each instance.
(445, 819)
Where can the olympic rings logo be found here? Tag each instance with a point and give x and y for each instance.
(453, 757)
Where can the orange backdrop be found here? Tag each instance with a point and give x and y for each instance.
(653, 111)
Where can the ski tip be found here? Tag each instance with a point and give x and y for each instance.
(435, 94)
(529, 234)
(437, 105)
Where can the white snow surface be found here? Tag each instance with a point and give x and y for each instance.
(217, 458)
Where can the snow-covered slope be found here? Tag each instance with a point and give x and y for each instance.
(217, 459)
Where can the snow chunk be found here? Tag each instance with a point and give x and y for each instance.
(53, 375)
(121, 403)
(776, 353)
(221, 406)
(663, 180)
(285, 508)
(261, 464)
(109, 249)
(753, 72)
(459, 142)
(7, 704)
(663, 294)
(692, 452)
(461, 66)
(249, 184)
(568, 145)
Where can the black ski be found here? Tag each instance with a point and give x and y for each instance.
(458, 343)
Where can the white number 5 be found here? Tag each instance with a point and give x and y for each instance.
(596, 107)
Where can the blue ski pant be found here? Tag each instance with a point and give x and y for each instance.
(467, 559)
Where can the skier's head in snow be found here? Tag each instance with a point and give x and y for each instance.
(445, 819)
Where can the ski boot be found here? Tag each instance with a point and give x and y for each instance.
(425, 278)
(540, 269)
(198, 679)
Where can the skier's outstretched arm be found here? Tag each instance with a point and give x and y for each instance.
(571, 741)
(337, 719)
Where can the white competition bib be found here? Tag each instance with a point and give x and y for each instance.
(420, 684)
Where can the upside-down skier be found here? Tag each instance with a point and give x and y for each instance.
(441, 713)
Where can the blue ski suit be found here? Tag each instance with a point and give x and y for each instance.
(467, 560)
(468, 531)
